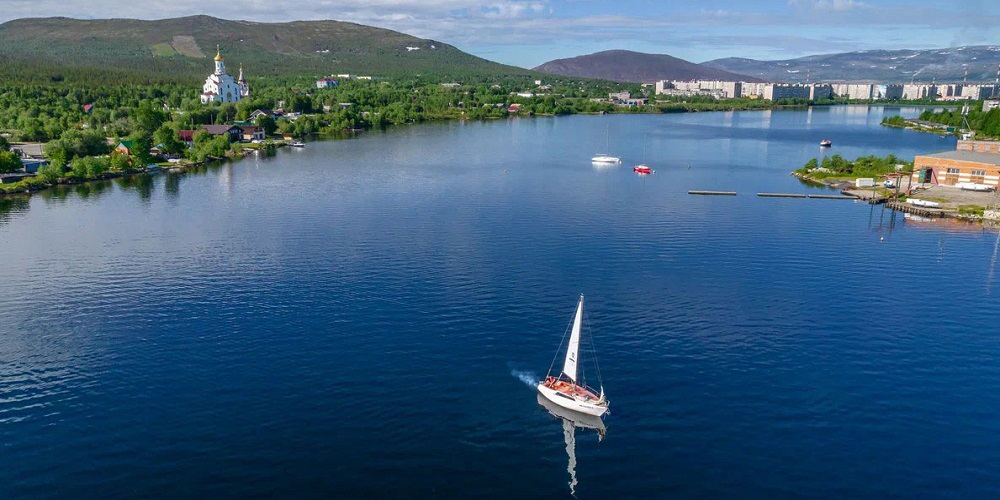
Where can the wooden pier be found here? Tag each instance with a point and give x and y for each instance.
(915, 210)
(808, 196)
(782, 195)
(714, 193)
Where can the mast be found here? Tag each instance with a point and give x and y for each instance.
(573, 351)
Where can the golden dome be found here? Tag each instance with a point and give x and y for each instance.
(218, 53)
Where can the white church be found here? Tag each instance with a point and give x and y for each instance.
(221, 87)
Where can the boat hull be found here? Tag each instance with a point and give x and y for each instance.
(571, 403)
(606, 159)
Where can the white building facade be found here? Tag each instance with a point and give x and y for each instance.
(220, 86)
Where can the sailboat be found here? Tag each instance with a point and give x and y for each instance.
(606, 158)
(642, 168)
(567, 390)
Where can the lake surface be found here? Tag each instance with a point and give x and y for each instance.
(356, 319)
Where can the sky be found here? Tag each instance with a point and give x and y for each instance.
(527, 33)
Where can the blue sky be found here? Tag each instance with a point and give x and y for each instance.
(529, 32)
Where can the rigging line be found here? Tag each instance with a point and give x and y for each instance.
(593, 348)
(561, 342)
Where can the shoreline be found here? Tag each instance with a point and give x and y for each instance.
(950, 209)
(36, 187)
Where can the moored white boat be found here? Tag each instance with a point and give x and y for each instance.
(973, 186)
(601, 158)
(923, 203)
(567, 390)
(606, 158)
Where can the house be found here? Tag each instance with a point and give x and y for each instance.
(514, 108)
(259, 113)
(125, 148)
(186, 136)
(634, 101)
(326, 83)
(252, 133)
(451, 85)
(233, 132)
(31, 165)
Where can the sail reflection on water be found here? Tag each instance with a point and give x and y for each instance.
(572, 420)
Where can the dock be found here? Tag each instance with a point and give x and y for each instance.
(782, 195)
(809, 196)
(915, 210)
(832, 197)
(714, 193)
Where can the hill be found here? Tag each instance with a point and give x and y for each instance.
(875, 65)
(180, 49)
(636, 67)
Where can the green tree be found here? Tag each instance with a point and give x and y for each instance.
(9, 162)
(148, 116)
(267, 123)
(51, 172)
(4, 144)
(120, 162)
(141, 144)
(166, 138)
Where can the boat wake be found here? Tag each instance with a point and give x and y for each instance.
(529, 378)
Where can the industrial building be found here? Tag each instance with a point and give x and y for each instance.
(972, 163)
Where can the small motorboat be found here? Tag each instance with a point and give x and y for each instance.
(642, 169)
(825, 143)
(297, 144)
(566, 390)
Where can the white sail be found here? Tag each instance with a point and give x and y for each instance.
(573, 351)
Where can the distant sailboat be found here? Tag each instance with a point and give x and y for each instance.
(606, 158)
(566, 390)
(642, 168)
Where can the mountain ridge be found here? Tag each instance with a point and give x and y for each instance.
(880, 65)
(635, 67)
(175, 48)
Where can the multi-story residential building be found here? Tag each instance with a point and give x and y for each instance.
(722, 89)
(914, 92)
(819, 91)
(855, 91)
(752, 89)
(778, 91)
(891, 91)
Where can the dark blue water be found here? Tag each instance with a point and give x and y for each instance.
(349, 320)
